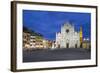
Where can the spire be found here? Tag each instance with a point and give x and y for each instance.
(81, 34)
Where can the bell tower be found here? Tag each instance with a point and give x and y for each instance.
(81, 36)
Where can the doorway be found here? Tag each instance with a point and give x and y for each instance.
(81, 45)
(67, 45)
(75, 45)
(58, 45)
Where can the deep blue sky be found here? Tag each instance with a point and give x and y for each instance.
(49, 22)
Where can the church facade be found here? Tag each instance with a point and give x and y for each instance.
(68, 37)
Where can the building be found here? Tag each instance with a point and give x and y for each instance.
(68, 37)
(36, 42)
(86, 43)
(26, 40)
(81, 37)
(33, 40)
(47, 44)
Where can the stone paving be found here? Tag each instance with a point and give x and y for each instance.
(56, 55)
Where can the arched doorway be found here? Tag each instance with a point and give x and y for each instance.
(81, 45)
(67, 45)
(58, 45)
(75, 45)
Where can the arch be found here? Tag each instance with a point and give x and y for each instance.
(80, 45)
(58, 45)
(67, 45)
(75, 45)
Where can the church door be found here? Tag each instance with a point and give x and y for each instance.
(81, 45)
(67, 45)
(58, 45)
(75, 45)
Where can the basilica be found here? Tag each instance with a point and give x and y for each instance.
(68, 37)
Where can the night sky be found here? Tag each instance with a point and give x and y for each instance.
(48, 23)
